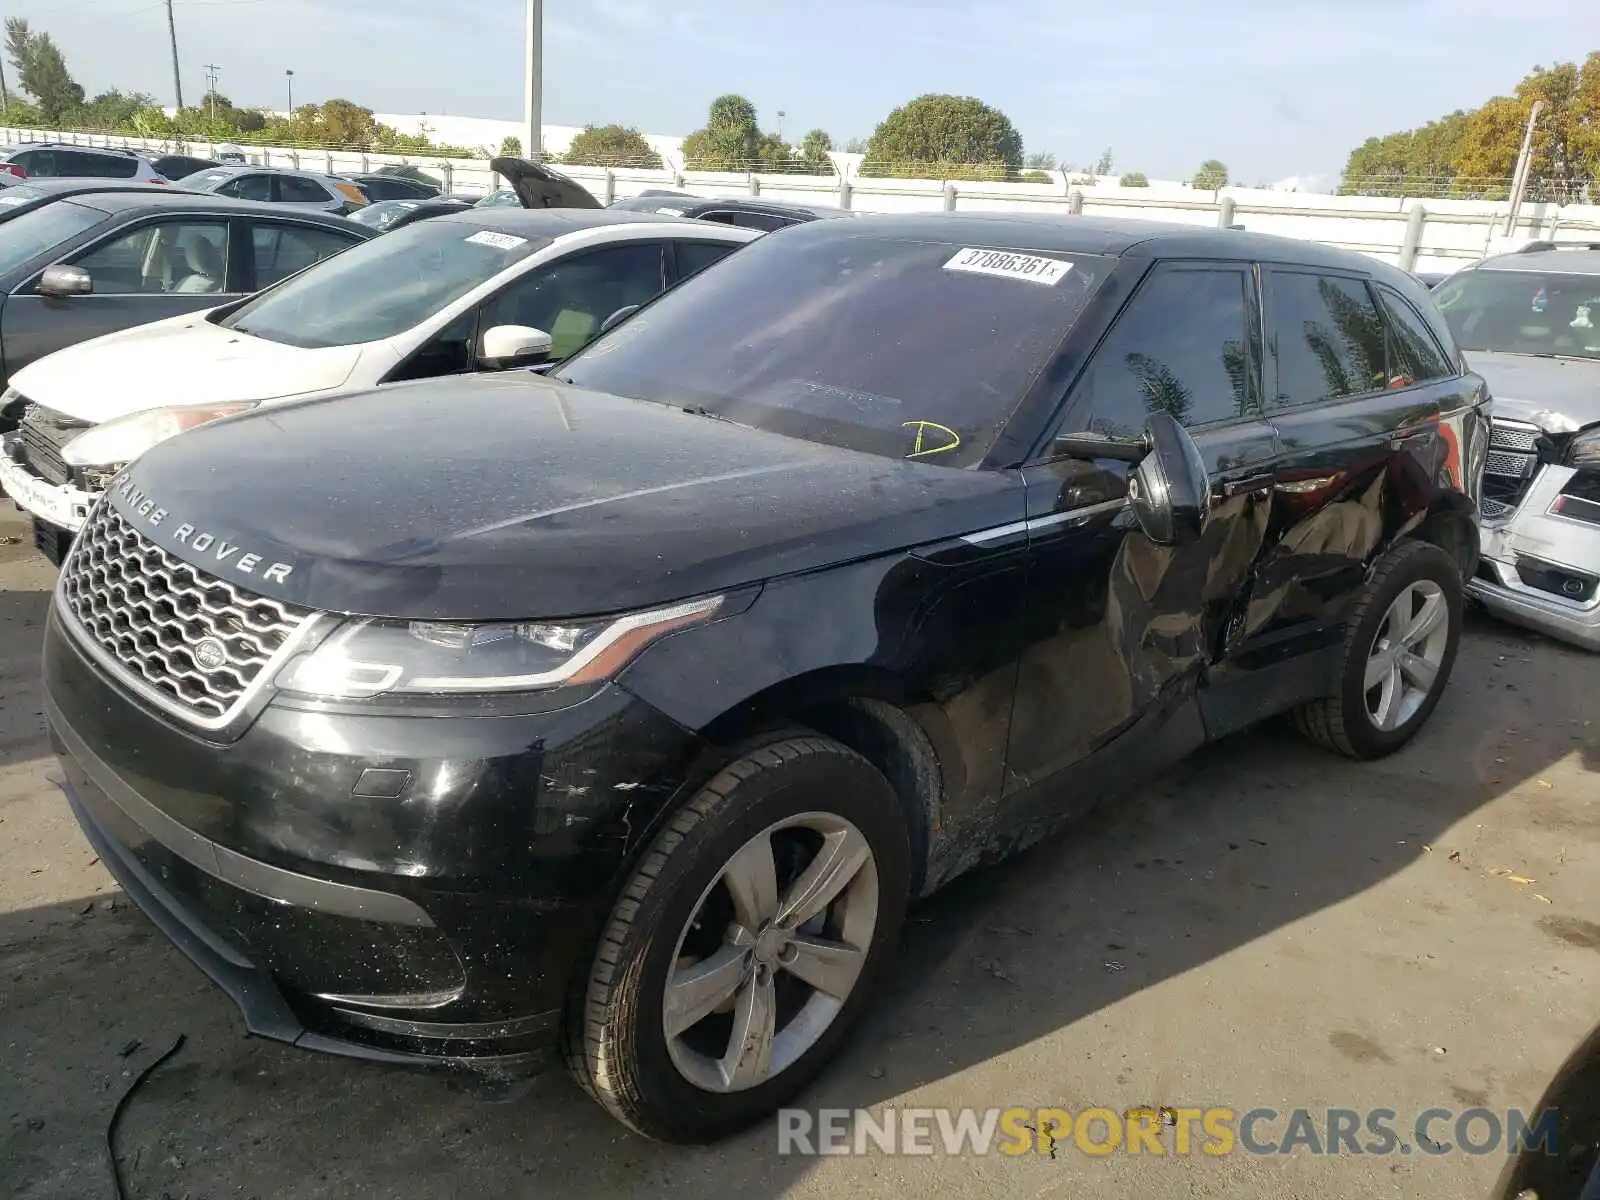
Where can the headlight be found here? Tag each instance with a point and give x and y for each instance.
(368, 658)
(124, 439)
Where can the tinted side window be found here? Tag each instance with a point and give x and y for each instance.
(248, 187)
(1328, 336)
(1181, 346)
(39, 164)
(186, 257)
(694, 257)
(294, 190)
(1414, 355)
(570, 299)
(281, 250)
(97, 166)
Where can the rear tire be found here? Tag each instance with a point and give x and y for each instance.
(791, 865)
(1403, 636)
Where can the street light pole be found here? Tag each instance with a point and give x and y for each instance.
(289, 75)
(533, 80)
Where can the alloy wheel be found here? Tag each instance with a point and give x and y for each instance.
(772, 951)
(1406, 655)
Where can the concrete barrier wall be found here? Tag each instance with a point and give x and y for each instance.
(1445, 235)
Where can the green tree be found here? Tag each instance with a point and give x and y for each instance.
(732, 141)
(1134, 179)
(511, 145)
(611, 146)
(1037, 177)
(1213, 174)
(114, 109)
(1043, 161)
(857, 145)
(1102, 164)
(945, 137)
(42, 72)
(814, 149)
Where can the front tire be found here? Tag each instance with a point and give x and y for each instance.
(1403, 636)
(745, 944)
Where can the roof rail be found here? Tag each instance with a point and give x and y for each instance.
(1543, 244)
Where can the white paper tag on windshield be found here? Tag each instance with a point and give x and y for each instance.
(668, 212)
(500, 241)
(1010, 265)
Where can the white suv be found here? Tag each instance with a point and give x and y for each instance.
(58, 160)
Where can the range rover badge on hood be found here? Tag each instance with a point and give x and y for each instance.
(207, 548)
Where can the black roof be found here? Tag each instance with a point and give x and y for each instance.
(550, 222)
(49, 185)
(173, 199)
(1099, 235)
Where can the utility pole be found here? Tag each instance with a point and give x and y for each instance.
(780, 124)
(177, 78)
(533, 80)
(289, 75)
(211, 88)
(1519, 182)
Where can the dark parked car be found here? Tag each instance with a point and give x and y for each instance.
(178, 166)
(92, 264)
(25, 197)
(875, 552)
(378, 187)
(747, 214)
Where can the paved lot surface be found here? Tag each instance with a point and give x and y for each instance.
(1267, 926)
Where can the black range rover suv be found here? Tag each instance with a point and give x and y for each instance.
(629, 707)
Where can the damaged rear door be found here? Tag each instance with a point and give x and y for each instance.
(1121, 631)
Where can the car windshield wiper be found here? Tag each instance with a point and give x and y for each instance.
(700, 410)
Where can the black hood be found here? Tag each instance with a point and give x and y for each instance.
(537, 186)
(512, 496)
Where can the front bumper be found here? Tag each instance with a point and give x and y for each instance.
(60, 505)
(1540, 569)
(437, 923)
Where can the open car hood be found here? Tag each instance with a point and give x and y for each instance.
(537, 186)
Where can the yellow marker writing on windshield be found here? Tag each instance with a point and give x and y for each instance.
(922, 449)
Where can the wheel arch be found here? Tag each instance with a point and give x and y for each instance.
(878, 715)
(1451, 524)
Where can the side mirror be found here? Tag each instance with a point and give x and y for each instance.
(62, 281)
(506, 346)
(1090, 446)
(1170, 490)
(616, 318)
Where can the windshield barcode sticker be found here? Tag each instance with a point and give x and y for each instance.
(668, 212)
(500, 241)
(1029, 267)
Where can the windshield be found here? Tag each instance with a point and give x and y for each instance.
(19, 194)
(504, 198)
(34, 232)
(908, 349)
(1523, 312)
(381, 288)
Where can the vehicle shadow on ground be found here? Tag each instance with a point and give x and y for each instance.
(1249, 836)
(22, 616)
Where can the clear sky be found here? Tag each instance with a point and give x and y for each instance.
(1272, 87)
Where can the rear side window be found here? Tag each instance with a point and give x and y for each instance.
(294, 190)
(1414, 355)
(100, 166)
(248, 187)
(1329, 337)
(1180, 347)
(694, 257)
(281, 250)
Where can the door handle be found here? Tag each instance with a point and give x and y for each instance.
(1248, 483)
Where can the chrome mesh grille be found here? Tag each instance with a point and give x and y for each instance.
(149, 611)
(1509, 467)
(1505, 436)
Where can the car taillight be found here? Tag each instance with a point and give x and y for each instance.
(13, 169)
